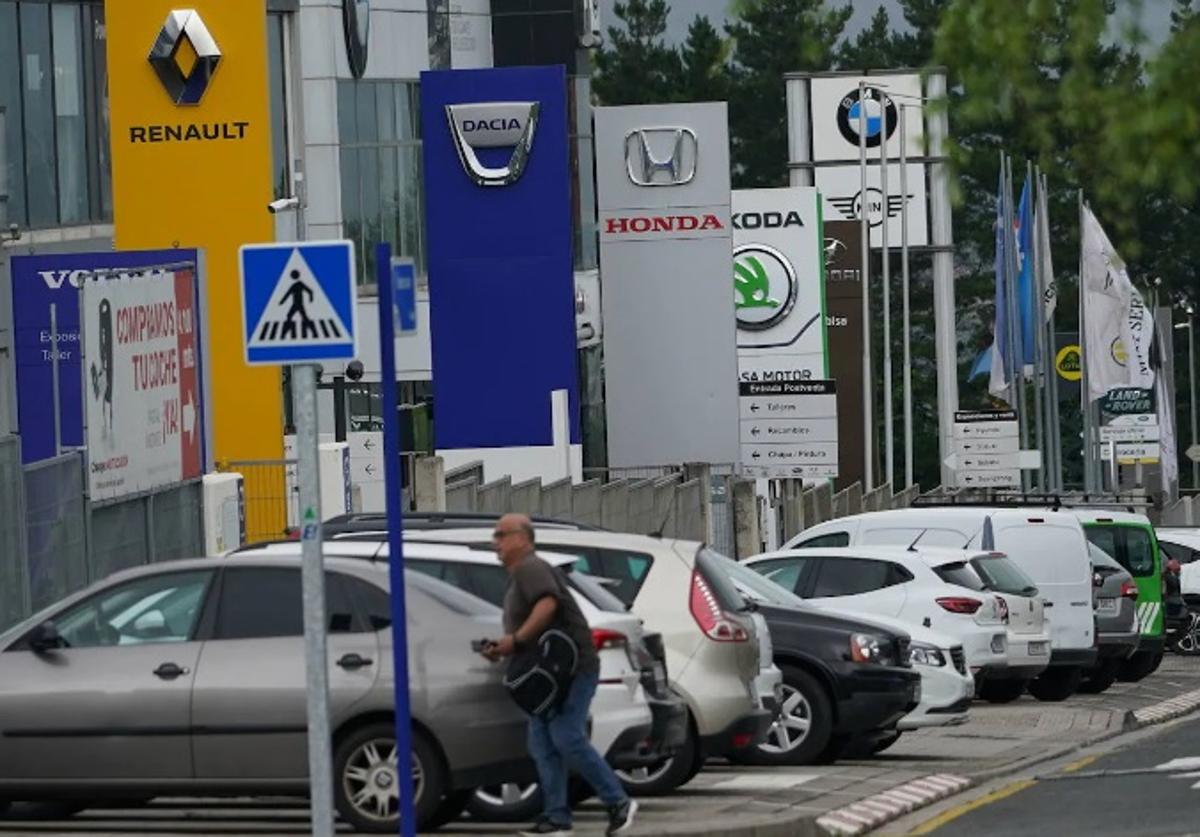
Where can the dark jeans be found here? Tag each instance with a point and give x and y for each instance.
(559, 742)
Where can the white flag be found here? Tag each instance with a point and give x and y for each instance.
(1168, 454)
(1117, 329)
(1046, 268)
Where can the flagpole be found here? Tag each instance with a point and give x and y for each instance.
(889, 423)
(1015, 354)
(1084, 387)
(868, 389)
(1054, 434)
(907, 370)
(1039, 388)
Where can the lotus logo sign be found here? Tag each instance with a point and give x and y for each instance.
(764, 286)
(493, 125)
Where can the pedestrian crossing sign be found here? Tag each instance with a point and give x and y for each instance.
(298, 302)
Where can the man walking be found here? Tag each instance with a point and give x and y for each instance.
(536, 599)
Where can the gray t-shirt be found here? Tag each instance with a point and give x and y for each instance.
(531, 581)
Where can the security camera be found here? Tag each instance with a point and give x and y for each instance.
(282, 205)
(14, 232)
(354, 370)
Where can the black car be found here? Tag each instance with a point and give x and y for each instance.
(846, 683)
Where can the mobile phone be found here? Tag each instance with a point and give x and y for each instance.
(480, 645)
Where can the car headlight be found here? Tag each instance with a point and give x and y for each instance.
(865, 648)
(920, 654)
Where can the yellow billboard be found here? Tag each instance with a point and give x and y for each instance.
(191, 155)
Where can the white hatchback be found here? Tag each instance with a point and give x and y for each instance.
(935, 589)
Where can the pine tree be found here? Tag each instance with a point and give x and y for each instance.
(771, 38)
(704, 70)
(636, 66)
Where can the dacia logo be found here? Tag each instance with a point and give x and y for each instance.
(498, 124)
(185, 56)
(766, 220)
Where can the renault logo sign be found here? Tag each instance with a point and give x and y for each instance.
(493, 125)
(185, 56)
(661, 156)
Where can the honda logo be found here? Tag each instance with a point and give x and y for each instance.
(661, 156)
(493, 125)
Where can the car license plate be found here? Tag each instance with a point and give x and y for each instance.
(1106, 606)
(1039, 649)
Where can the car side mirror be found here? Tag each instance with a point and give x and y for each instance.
(45, 637)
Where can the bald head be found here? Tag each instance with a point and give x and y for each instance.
(513, 538)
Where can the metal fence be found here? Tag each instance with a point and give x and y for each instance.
(14, 589)
(272, 492)
(54, 542)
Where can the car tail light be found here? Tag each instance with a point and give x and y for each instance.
(1002, 609)
(603, 638)
(706, 610)
(1129, 590)
(959, 604)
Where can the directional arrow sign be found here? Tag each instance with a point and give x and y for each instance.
(990, 479)
(964, 460)
(369, 443)
(1126, 433)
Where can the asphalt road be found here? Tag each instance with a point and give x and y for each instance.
(1149, 788)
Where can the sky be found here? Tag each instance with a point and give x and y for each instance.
(1155, 15)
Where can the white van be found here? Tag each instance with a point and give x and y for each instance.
(1050, 546)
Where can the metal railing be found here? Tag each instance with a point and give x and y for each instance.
(272, 493)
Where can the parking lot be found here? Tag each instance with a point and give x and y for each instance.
(726, 799)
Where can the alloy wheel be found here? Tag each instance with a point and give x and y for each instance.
(371, 780)
(791, 727)
(510, 793)
(645, 775)
(1189, 641)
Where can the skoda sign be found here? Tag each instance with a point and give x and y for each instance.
(764, 286)
(493, 125)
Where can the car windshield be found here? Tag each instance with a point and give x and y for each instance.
(593, 589)
(1001, 574)
(1100, 558)
(754, 586)
(960, 574)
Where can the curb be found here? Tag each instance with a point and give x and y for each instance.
(874, 811)
(882, 808)
(1167, 710)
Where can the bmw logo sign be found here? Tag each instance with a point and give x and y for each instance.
(880, 116)
(765, 286)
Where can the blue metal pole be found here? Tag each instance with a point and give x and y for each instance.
(395, 518)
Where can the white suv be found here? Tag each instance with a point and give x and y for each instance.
(928, 589)
(714, 643)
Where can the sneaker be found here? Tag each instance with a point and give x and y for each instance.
(545, 828)
(620, 818)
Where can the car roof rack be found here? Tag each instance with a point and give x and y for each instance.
(377, 521)
(1023, 499)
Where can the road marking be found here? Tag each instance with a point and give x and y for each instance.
(967, 807)
(1079, 765)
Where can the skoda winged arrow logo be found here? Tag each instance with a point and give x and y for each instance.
(185, 56)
